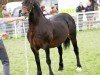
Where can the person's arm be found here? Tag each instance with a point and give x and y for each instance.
(10, 19)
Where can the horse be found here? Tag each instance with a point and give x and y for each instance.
(48, 33)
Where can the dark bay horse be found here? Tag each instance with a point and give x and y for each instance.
(47, 33)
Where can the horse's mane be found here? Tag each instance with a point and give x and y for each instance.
(35, 13)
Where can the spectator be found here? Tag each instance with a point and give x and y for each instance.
(44, 10)
(94, 4)
(20, 13)
(90, 18)
(89, 7)
(3, 54)
(5, 13)
(4, 58)
(80, 9)
(53, 10)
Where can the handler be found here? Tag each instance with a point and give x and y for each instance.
(3, 54)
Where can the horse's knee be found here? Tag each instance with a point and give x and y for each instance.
(76, 51)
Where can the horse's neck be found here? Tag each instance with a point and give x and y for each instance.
(36, 15)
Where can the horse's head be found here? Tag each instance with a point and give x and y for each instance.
(27, 5)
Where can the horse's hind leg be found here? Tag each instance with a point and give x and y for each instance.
(37, 59)
(48, 60)
(60, 58)
(74, 42)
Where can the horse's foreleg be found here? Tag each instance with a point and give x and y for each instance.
(37, 59)
(48, 60)
(74, 42)
(60, 58)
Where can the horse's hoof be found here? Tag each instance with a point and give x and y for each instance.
(60, 69)
(39, 73)
(79, 69)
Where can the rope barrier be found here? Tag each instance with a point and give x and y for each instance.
(26, 56)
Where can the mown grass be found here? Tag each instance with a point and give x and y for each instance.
(89, 45)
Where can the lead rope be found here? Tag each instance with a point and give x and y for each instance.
(26, 52)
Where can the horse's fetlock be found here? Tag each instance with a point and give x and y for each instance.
(39, 73)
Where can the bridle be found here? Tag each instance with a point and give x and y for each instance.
(29, 5)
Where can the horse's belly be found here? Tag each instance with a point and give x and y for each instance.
(59, 37)
(57, 42)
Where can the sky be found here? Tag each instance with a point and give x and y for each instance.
(71, 3)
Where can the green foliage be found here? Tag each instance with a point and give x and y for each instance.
(70, 10)
(0, 10)
(89, 47)
(0, 14)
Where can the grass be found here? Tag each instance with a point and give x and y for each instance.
(89, 45)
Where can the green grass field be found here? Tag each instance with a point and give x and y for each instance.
(89, 45)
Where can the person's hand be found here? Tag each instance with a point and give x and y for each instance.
(21, 18)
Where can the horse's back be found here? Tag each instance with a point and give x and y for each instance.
(67, 19)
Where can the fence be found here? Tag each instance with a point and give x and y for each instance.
(15, 28)
(85, 20)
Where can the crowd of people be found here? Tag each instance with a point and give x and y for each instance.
(90, 7)
(53, 10)
(81, 8)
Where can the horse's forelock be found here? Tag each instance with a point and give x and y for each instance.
(26, 2)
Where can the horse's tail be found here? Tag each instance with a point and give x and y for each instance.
(70, 23)
(66, 43)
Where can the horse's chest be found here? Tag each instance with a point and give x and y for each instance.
(37, 40)
(33, 40)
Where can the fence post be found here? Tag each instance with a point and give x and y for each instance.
(77, 23)
(15, 29)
